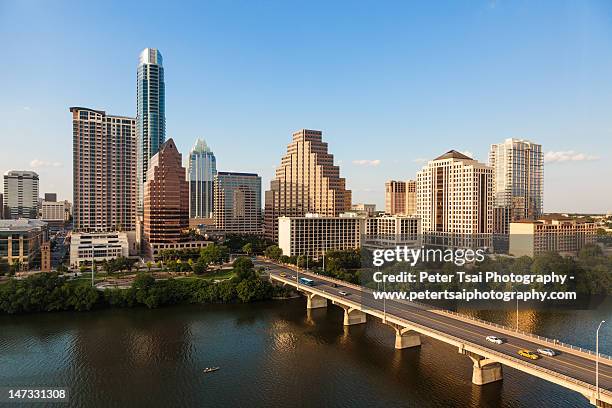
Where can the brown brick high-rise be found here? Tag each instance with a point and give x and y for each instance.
(307, 181)
(166, 198)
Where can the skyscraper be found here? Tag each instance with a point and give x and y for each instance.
(238, 202)
(166, 199)
(395, 197)
(307, 181)
(150, 112)
(400, 197)
(104, 171)
(455, 200)
(518, 174)
(202, 170)
(21, 194)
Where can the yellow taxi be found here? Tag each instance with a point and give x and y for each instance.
(528, 354)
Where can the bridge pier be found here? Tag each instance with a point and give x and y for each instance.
(405, 337)
(484, 371)
(314, 301)
(353, 316)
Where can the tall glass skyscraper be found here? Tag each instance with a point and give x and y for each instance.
(150, 112)
(202, 171)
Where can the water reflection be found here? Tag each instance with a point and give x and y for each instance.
(270, 354)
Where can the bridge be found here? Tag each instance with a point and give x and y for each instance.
(572, 367)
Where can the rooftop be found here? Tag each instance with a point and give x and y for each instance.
(21, 224)
(453, 154)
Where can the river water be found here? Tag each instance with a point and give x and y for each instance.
(271, 354)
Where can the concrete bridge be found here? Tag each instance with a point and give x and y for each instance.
(572, 368)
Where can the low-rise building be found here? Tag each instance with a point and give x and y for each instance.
(98, 246)
(313, 235)
(21, 241)
(557, 233)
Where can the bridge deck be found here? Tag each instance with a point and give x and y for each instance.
(573, 370)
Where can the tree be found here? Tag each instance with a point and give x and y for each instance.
(248, 249)
(243, 267)
(149, 265)
(199, 267)
(273, 252)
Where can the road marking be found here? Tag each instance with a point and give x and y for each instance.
(558, 359)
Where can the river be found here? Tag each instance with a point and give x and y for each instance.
(271, 354)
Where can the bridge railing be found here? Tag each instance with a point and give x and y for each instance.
(483, 350)
(511, 358)
(552, 342)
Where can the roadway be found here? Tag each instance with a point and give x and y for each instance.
(571, 365)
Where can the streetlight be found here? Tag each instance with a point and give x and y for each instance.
(597, 359)
(517, 319)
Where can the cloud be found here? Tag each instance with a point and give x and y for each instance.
(568, 156)
(26, 108)
(36, 164)
(420, 160)
(468, 153)
(373, 163)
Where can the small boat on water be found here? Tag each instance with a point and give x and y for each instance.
(210, 369)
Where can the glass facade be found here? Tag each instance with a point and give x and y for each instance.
(150, 112)
(202, 171)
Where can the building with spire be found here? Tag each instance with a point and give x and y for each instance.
(201, 174)
(307, 181)
(150, 113)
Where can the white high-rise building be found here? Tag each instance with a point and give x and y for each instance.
(455, 200)
(21, 194)
(518, 178)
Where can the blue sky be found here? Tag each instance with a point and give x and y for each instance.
(389, 83)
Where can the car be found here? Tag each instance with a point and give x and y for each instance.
(343, 293)
(547, 352)
(495, 339)
(283, 274)
(528, 354)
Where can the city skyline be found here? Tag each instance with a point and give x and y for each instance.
(373, 139)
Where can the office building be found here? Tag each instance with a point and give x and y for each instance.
(104, 169)
(98, 246)
(21, 241)
(1, 206)
(518, 178)
(150, 113)
(390, 231)
(166, 203)
(395, 197)
(201, 172)
(455, 201)
(53, 213)
(364, 209)
(307, 181)
(313, 235)
(238, 203)
(553, 232)
(50, 197)
(400, 197)
(21, 194)
(410, 198)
